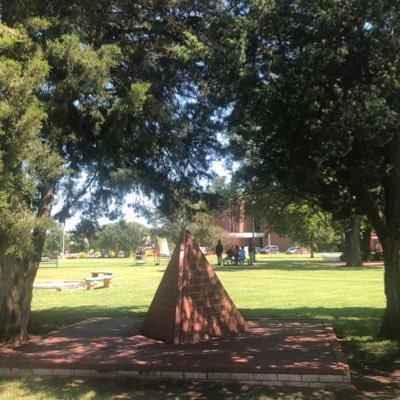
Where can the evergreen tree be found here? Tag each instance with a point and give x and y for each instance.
(312, 89)
(95, 105)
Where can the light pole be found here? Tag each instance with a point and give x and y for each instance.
(63, 240)
(253, 228)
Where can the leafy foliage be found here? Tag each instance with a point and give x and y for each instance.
(314, 109)
(122, 236)
(25, 160)
(304, 223)
(201, 224)
(121, 109)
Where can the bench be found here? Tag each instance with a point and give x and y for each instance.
(232, 261)
(106, 277)
(46, 262)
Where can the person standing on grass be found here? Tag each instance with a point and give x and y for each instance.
(242, 255)
(236, 254)
(218, 251)
(251, 252)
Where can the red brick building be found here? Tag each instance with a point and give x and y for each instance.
(240, 229)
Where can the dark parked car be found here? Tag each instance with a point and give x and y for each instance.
(294, 250)
(272, 249)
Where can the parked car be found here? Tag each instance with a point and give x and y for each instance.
(294, 250)
(271, 249)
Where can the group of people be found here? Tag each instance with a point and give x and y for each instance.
(234, 253)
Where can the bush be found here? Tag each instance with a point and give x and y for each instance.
(82, 255)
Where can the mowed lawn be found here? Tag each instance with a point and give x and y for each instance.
(284, 286)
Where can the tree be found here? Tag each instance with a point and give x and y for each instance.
(352, 251)
(53, 244)
(297, 219)
(122, 236)
(25, 162)
(313, 94)
(84, 233)
(200, 223)
(95, 105)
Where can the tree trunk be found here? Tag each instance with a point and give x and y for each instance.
(16, 285)
(17, 276)
(353, 250)
(366, 243)
(390, 328)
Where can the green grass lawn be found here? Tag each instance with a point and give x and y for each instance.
(276, 286)
(282, 286)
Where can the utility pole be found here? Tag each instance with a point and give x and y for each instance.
(63, 240)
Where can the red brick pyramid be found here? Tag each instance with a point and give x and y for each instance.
(190, 303)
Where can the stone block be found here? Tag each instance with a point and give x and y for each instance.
(289, 377)
(63, 372)
(195, 375)
(132, 374)
(85, 372)
(331, 378)
(310, 378)
(150, 374)
(172, 374)
(266, 377)
(107, 374)
(217, 376)
(21, 372)
(242, 376)
(43, 371)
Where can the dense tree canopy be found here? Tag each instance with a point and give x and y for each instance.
(201, 224)
(312, 88)
(122, 236)
(95, 105)
(304, 223)
(120, 108)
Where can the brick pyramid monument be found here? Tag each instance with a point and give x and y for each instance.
(190, 303)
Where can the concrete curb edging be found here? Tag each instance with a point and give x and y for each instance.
(270, 379)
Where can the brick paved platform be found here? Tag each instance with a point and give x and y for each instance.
(273, 352)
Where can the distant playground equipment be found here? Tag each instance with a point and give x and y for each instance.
(162, 251)
(140, 256)
(157, 252)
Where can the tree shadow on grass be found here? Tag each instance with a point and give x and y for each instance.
(293, 265)
(347, 321)
(54, 318)
(372, 375)
(101, 389)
